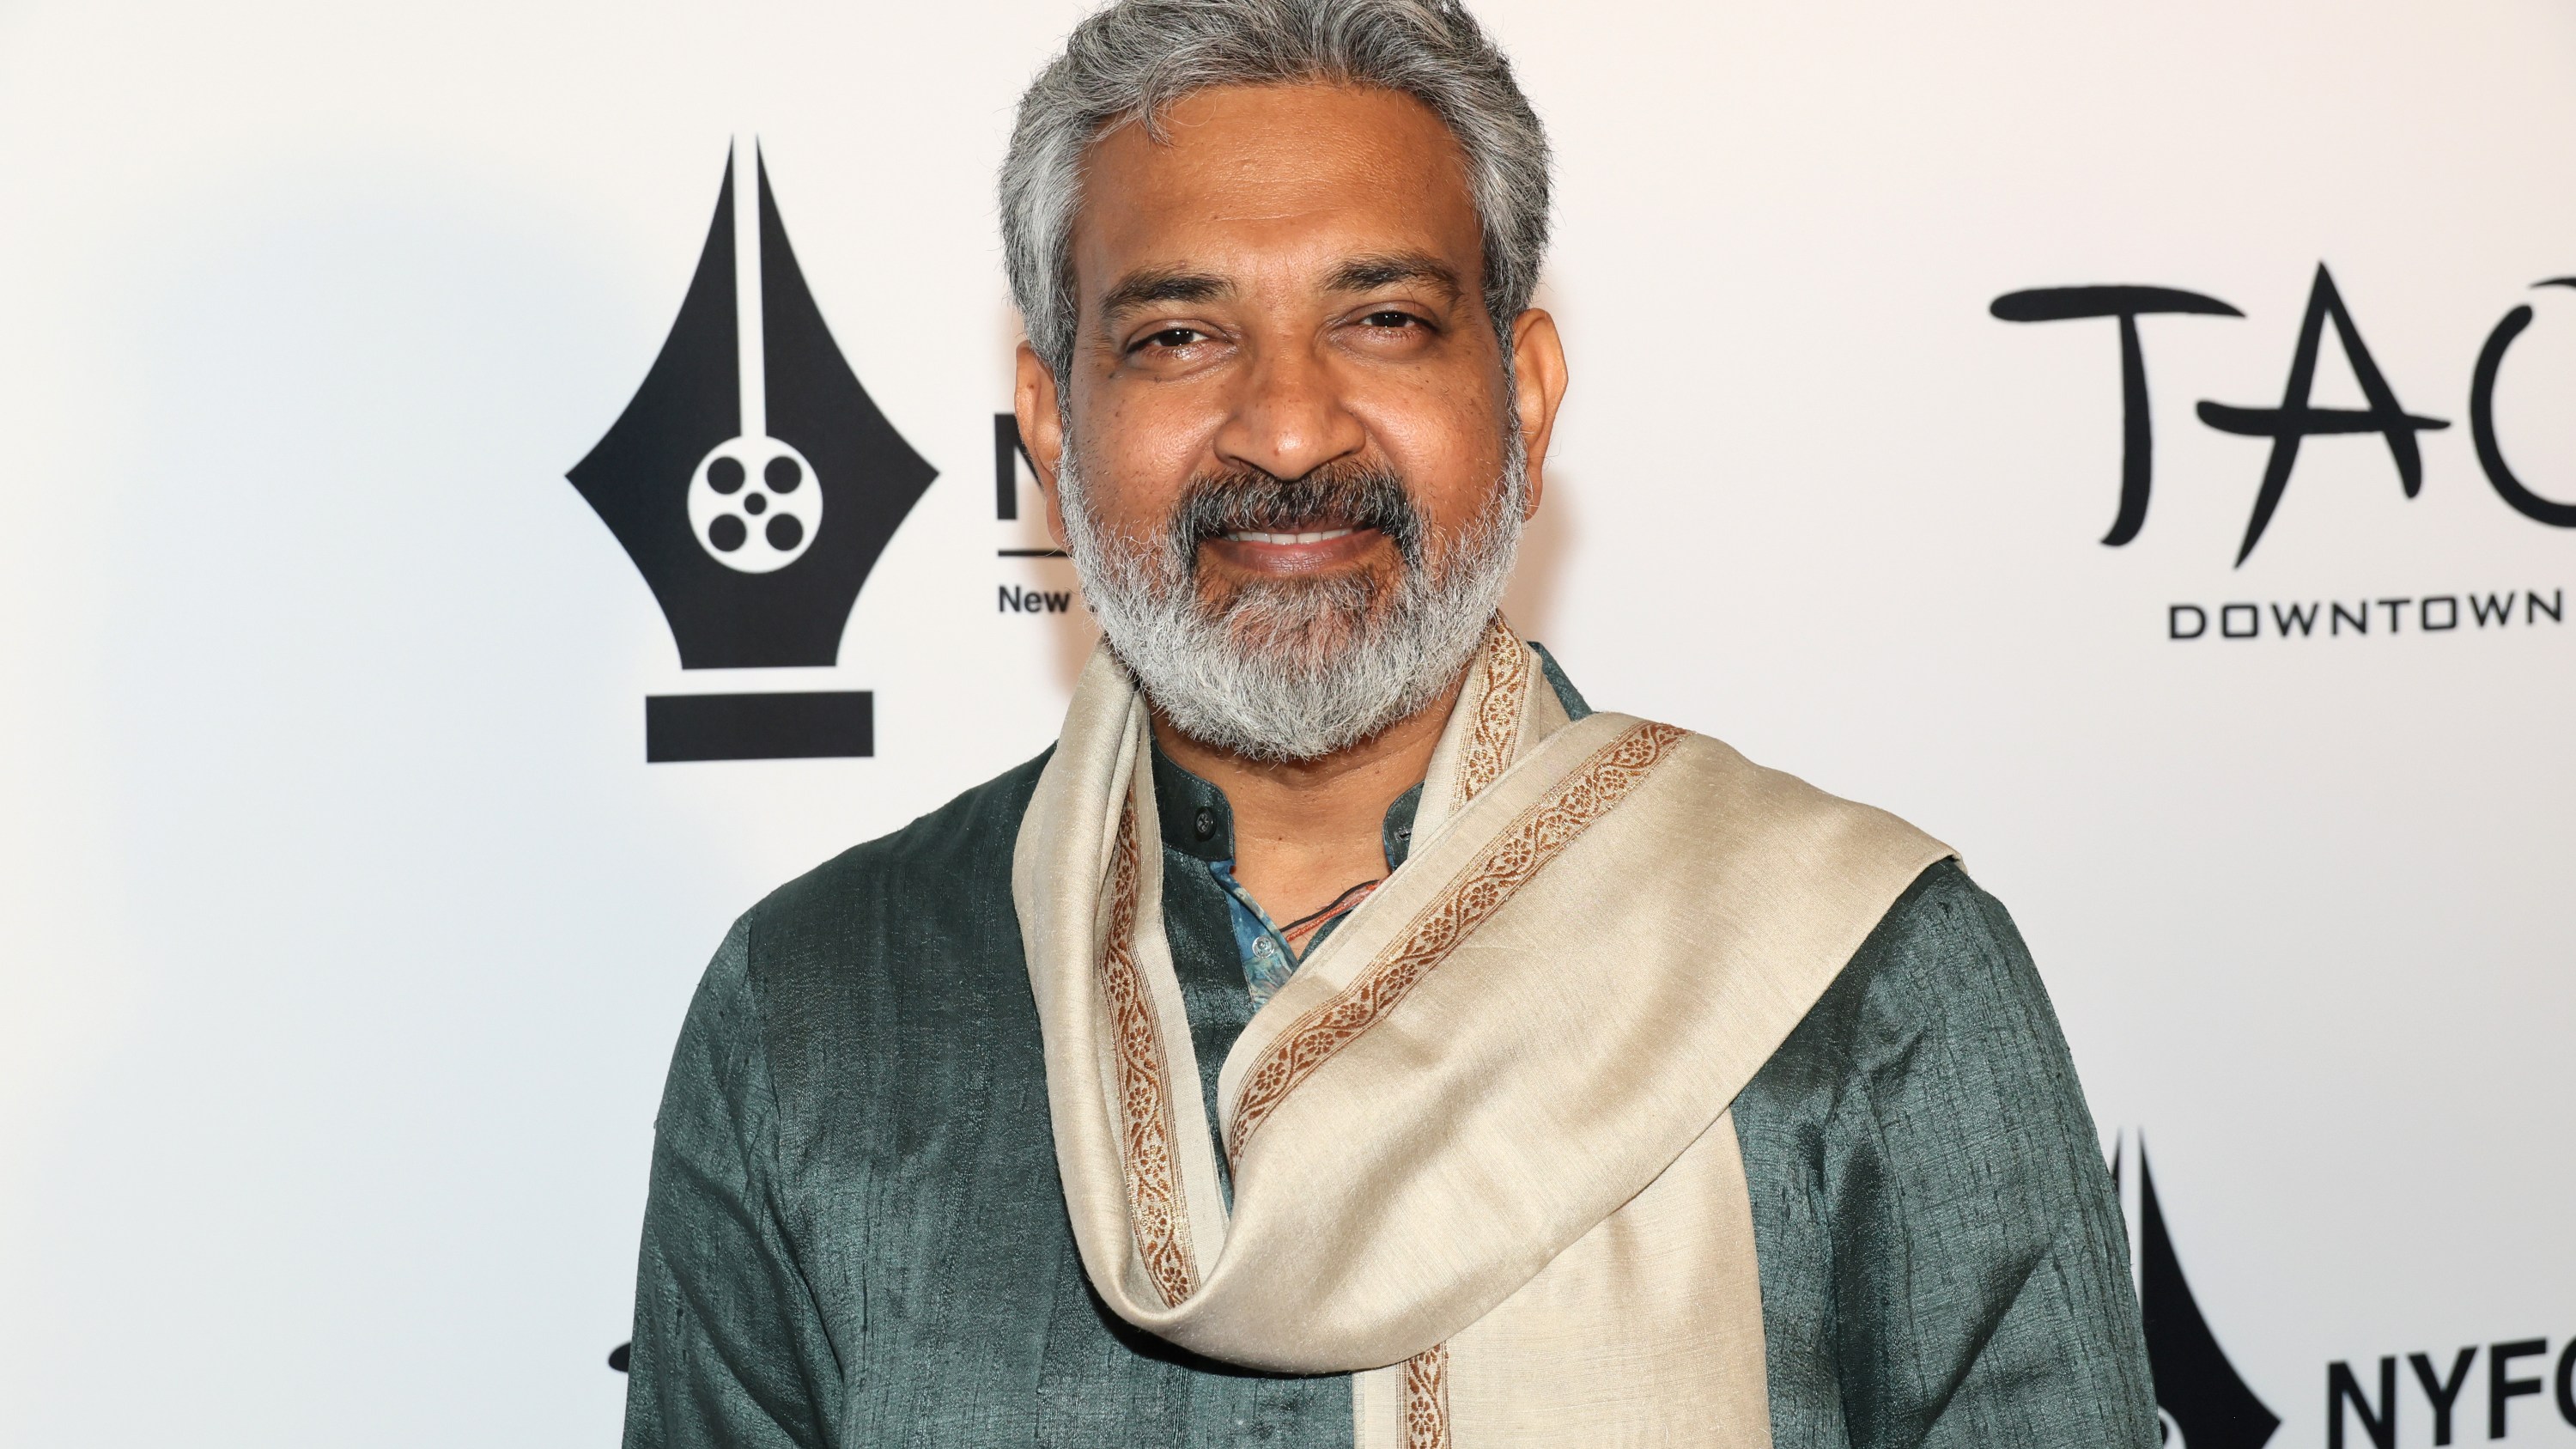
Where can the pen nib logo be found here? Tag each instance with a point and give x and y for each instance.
(754, 483)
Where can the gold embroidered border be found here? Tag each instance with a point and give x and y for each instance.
(1488, 748)
(1426, 1399)
(1148, 1130)
(1540, 835)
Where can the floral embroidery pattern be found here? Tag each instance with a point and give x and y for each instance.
(1426, 1399)
(1489, 746)
(1148, 1131)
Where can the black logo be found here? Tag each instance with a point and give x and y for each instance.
(2297, 418)
(2201, 1401)
(754, 484)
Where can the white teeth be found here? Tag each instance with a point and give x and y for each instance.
(1329, 533)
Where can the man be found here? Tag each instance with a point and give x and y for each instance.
(1344, 1035)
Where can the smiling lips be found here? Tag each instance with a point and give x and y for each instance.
(1310, 550)
(1321, 536)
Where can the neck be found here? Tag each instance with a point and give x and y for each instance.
(1307, 830)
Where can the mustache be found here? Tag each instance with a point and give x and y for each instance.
(1352, 495)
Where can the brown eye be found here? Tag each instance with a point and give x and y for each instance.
(1390, 319)
(1173, 337)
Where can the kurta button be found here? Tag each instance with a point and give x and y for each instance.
(1204, 822)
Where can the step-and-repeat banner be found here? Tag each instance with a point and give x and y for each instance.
(494, 488)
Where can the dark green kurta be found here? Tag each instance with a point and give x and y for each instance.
(856, 1235)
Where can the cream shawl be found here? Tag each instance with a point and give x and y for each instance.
(1480, 1144)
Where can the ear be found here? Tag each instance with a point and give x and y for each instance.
(1041, 413)
(1538, 386)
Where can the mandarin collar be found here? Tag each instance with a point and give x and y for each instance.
(1197, 821)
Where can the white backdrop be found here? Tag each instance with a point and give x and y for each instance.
(347, 930)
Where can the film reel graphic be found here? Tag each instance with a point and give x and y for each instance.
(751, 504)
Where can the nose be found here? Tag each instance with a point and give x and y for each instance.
(1289, 418)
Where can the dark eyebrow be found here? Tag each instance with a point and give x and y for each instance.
(1385, 269)
(1147, 287)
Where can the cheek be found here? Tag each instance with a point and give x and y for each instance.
(1138, 455)
(1447, 445)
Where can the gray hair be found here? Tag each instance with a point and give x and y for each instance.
(1128, 62)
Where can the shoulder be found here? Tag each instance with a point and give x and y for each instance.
(1944, 939)
(915, 922)
(1947, 952)
(1945, 961)
(918, 864)
(1941, 1002)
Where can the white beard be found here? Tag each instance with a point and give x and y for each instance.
(1298, 669)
